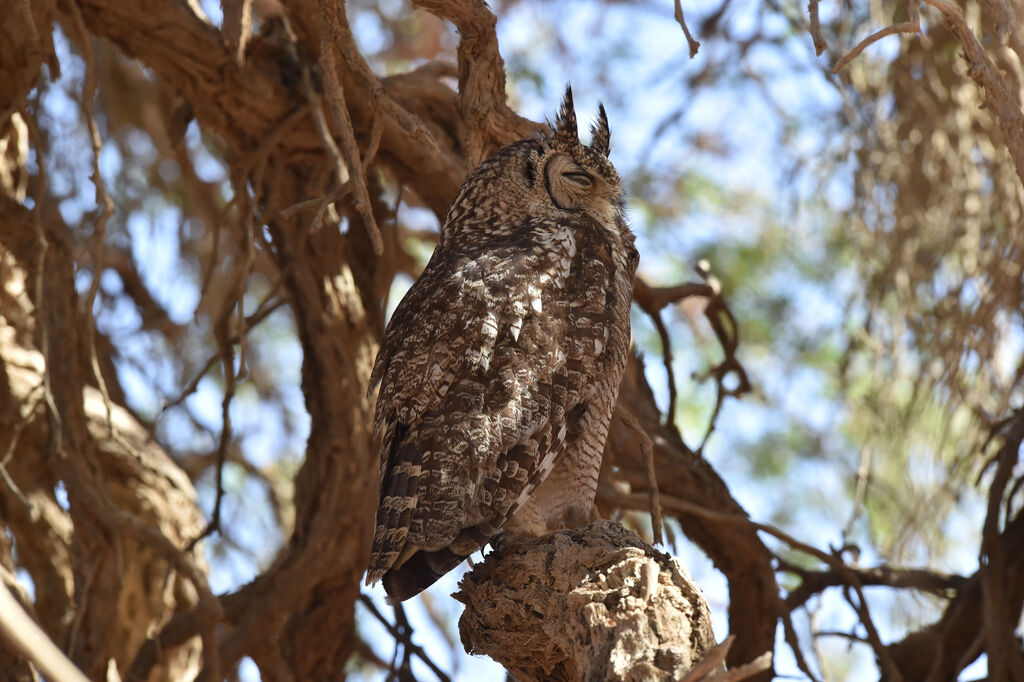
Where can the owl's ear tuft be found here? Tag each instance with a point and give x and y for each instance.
(566, 132)
(601, 136)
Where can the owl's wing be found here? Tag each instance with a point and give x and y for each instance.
(479, 382)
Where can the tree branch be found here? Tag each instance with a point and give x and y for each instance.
(22, 633)
(490, 123)
(595, 603)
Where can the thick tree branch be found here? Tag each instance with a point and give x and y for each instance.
(23, 634)
(595, 603)
(490, 123)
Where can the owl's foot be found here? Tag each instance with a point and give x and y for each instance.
(497, 541)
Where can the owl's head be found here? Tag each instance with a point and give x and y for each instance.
(551, 176)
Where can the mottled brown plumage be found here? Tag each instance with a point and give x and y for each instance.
(499, 370)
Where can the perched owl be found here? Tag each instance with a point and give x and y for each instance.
(499, 370)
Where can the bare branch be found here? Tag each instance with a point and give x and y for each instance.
(681, 20)
(981, 68)
(761, 664)
(647, 447)
(655, 298)
(404, 637)
(28, 638)
(814, 582)
(815, 28)
(907, 27)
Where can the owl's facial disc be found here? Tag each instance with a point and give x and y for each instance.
(572, 187)
(569, 185)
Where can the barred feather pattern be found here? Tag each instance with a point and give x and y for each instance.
(499, 370)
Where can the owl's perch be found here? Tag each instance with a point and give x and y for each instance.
(595, 603)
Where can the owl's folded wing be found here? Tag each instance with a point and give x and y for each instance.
(478, 377)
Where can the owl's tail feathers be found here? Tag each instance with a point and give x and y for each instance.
(394, 514)
(418, 573)
(388, 544)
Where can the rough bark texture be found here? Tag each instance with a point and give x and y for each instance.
(98, 588)
(595, 603)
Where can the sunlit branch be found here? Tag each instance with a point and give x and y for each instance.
(22, 633)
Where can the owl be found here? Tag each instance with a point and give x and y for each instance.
(499, 369)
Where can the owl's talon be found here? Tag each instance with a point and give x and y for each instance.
(497, 541)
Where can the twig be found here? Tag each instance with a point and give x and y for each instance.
(666, 354)
(863, 473)
(815, 28)
(196, 464)
(106, 206)
(850, 577)
(28, 411)
(403, 625)
(727, 332)
(319, 203)
(269, 305)
(839, 633)
(376, 131)
(813, 582)
(257, 158)
(647, 448)
(860, 606)
(906, 27)
(651, 300)
(681, 20)
(340, 169)
(214, 260)
(405, 638)
(794, 644)
(222, 331)
(228, 363)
